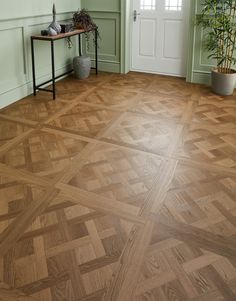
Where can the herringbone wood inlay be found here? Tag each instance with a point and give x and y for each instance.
(15, 197)
(161, 105)
(110, 98)
(36, 109)
(143, 132)
(118, 174)
(10, 130)
(203, 199)
(43, 153)
(84, 120)
(210, 143)
(71, 249)
(124, 189)
(131, 81)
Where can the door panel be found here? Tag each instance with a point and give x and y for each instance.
(147, 42)
(172, 32)
(159, 39)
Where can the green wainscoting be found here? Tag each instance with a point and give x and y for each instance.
(199, 65)
(12, 9)
(18, 21)
(114, 52)
(109, 45)
(102, 5)
(113, 19)
(107, 15)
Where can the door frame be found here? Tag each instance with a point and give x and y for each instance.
(125, 34)
(126, 37)
(187, 45)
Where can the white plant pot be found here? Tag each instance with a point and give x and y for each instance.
(223, 83)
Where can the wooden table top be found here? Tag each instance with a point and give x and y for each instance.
(60, 36)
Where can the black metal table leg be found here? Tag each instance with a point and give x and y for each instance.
(96, 50)
(33, 66)
(53, 70)
(79, 39)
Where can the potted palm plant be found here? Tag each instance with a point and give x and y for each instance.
(217, 17)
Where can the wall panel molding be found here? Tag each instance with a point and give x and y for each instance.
(49, 15)
(21, 91)
(27, 21)
(102, 5)
(122, 9)
(15, 55)
(109, 45)
(105, 11)
(13, 10)
(199, 66)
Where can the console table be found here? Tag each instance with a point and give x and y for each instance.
(52, 39)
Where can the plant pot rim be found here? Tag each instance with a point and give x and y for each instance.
(215, 70)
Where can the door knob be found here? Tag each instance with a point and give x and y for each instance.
(135, 15)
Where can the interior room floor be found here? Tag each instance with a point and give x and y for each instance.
(123, 189)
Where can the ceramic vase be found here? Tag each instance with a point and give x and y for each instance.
(82, 66)
(54, 25)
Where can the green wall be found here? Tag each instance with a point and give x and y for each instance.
(199, 65)
(114, 20)
(111, 16)
(18, 21)
(101, 5)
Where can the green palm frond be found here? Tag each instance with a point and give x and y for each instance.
(218, 18)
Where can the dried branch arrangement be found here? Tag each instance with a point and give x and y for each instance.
(83, 20)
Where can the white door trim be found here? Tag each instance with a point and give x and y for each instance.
(131, 42)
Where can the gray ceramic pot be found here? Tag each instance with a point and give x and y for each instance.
(82, 66)
(223, 83)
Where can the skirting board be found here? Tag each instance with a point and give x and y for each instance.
(108, 66)
(22, 91)
(201, 78)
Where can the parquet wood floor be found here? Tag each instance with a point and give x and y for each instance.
(124, 189)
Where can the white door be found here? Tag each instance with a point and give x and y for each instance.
(160, 36)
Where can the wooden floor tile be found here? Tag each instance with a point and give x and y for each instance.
(71, 87)
(161, 105)
(43, 153)
(171, 86)
(183, 268)
(216, 110)
(126, 176)
(110, 98)
(66, 244)
(36, 109)
(15, 198)
(131, 81)
(84, 120)
(209, 143)
(143, 132)
(203, 199)
(10, 130)
(123, 189)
